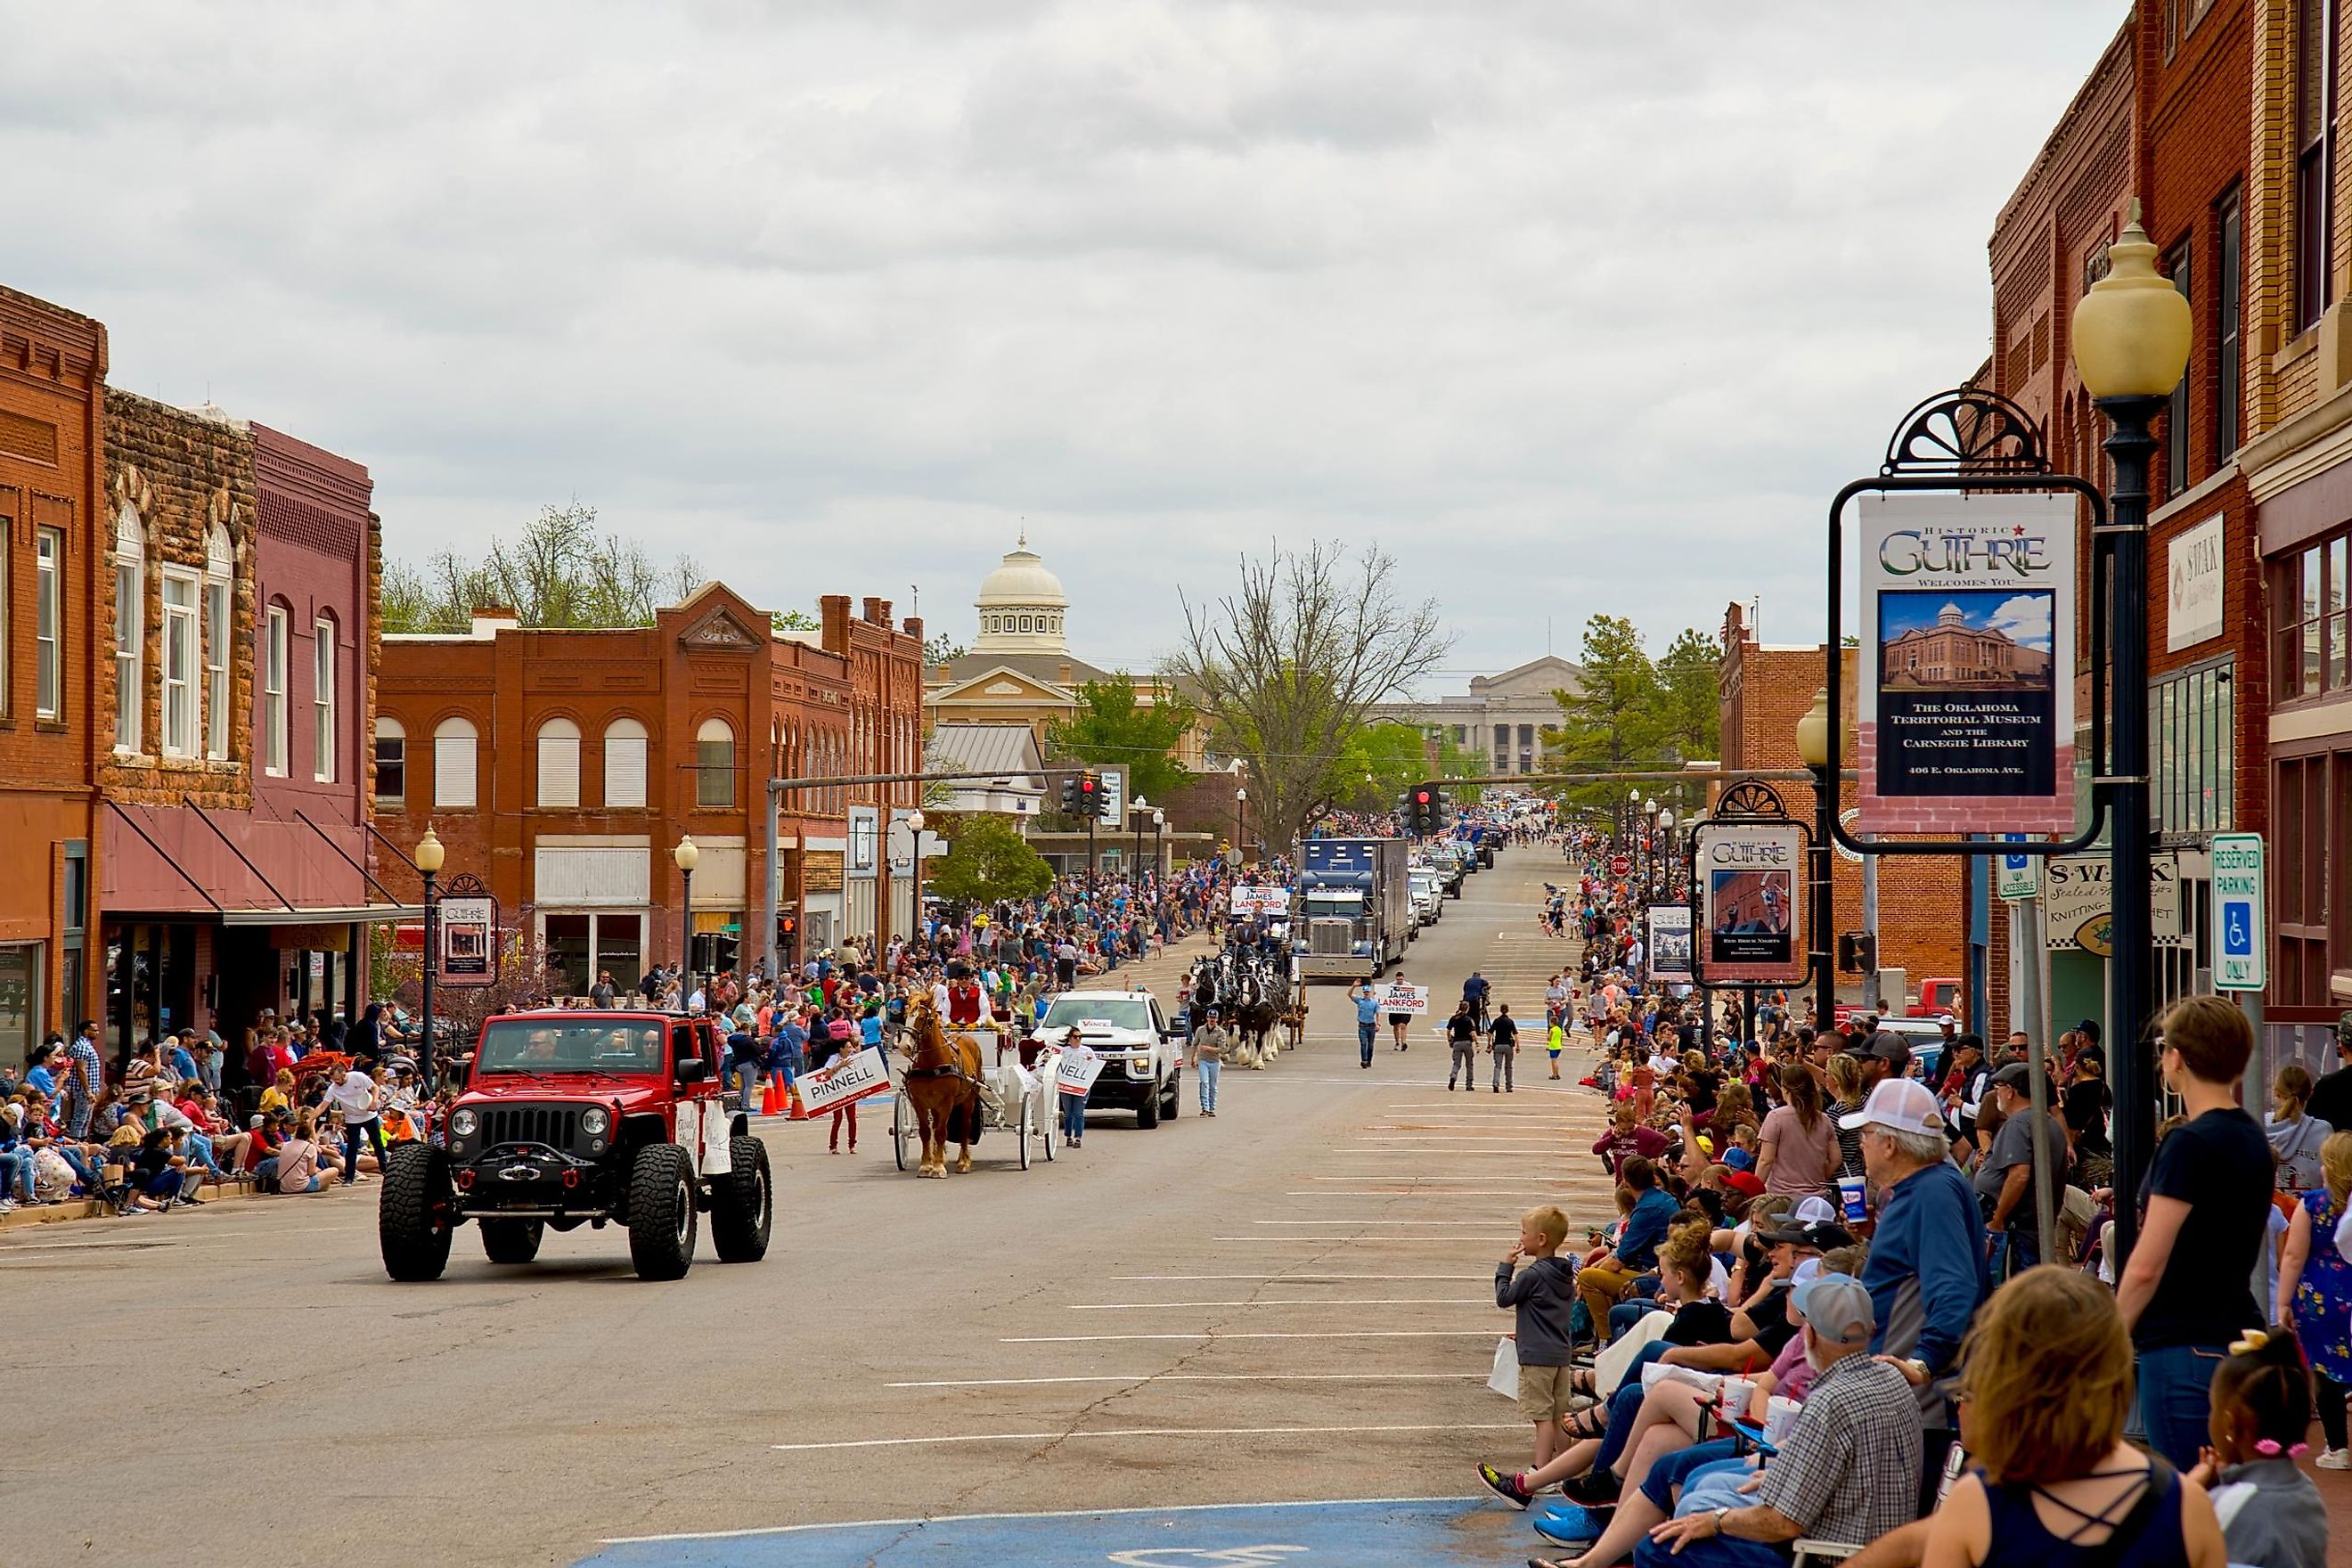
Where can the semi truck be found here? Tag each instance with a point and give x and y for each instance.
(1353, 912)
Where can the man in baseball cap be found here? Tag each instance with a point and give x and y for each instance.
(1883, 1055)
(1926, 1275)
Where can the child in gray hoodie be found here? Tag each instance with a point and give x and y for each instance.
(1544, 1295)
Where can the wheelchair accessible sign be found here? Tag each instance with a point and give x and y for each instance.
(2240, 933)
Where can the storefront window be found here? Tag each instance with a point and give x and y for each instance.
(2311, 620)
(2192, 718)
(20, 1003)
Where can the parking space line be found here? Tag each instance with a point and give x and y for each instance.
(1142, 1432)
(1484, 1333)
(1450, 1224)
(973, 1518)
(1203, 1377)
(1332, 1301)
(1294, 1278)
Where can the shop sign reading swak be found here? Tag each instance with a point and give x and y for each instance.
(1966, 716)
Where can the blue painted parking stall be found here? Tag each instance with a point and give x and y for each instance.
(1391, 1532)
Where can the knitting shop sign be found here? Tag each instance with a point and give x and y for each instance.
(1747, 891)
(1965, 724)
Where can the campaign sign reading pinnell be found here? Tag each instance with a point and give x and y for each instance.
(850, 1078)
(1399, 997)
(1965, 721)
(1077, 1071)
(1749, 875)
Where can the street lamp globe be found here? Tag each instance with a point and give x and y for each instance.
(914, 821)
(686, 855)
(1159, 818)
(1241, 794)
(1651, 805)
(1666, 819)
(430, 852)
(2132, 330)
(1634, 796)
(1813, 731)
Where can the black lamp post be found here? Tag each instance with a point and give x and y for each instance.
(1159, 822)
(2131, 339)
(686, 855)
(1814, 750)
(429, 857)
(1241, 805)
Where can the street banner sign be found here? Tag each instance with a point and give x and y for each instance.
(1670, 942)
(1748, 882)
(850, 1078)
(1621, 865)
(467, 931)
(2020, 875)
(1399, 997)
(1077, 1071)
(1261, 901)
(2241, 957)
(1968, 610)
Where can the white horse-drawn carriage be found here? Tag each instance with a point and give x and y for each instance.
(1016, 1101)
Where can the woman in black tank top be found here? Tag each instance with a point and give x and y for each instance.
(2046, 1381)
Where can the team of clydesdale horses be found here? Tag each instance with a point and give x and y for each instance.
(1252, 994)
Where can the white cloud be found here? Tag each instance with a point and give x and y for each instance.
(2024, 619)
(1575, 307)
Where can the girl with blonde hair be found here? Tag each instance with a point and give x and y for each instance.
(2314, 1293)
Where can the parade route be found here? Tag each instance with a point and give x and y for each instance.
(1275, 1306)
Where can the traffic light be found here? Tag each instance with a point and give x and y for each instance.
(1424, 811)
(1090, 794)
(1069, 794)
(1857, 953)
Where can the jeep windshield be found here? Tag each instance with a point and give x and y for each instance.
(1119, 1015)
(545, 1047)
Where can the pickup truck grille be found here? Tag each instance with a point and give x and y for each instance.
(557, 1126)
(1331, 938)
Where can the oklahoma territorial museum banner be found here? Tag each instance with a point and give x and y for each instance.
(1966, 714)
(1747, 891)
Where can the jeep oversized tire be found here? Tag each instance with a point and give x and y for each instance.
(510, 1240)
(742, 1204)
(662, 1226)
(415, 1213)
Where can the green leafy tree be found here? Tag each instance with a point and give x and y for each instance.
(1454, 762)
(940, 648)
(1379, 763)
(560, 570)
(1691, 692)
(987, 859)
(792, 621)
(1615, 722)
(1112, 725)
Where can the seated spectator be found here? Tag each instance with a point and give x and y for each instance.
(279, 1095)
(301, 1165)
(159, 1176)
(2048, 1369)
(16, 1157)
(2271, 1513)
(1636, 1253)
(1847, 1472)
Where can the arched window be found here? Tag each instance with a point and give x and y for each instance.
(625, 765)
(130, 627)
(559, 765)
(714, 764)
(391, 762)
(453, 765)
(220, 577)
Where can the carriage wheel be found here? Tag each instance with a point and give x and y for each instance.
(1024, 1128)
(899, 1127)
(1050, 1105)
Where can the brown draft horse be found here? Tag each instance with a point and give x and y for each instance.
(943, 1086)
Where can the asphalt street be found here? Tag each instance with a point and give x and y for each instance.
(1288, 1304)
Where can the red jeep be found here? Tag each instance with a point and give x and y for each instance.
(575, 1118)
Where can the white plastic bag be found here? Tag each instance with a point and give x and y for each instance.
(1505, 1379)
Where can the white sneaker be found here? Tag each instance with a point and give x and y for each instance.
(2335, 1459)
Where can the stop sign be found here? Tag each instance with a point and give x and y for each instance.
(1623, 866)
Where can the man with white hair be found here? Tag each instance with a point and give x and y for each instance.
(1926, 1275)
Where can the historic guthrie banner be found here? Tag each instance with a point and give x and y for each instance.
(1967, 715)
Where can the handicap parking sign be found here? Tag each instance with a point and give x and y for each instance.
(2237, 929)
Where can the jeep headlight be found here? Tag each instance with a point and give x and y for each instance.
(463, 1122)
(593, 1121)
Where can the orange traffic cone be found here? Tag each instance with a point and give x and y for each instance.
(799, 1110)
(768, 1097)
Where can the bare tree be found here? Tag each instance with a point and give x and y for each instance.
(559, 571)
(1288, 668)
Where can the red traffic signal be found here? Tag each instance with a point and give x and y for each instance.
(1420, 797)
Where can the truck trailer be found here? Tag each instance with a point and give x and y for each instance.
(1353, 910)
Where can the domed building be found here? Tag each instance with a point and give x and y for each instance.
(1020, 670)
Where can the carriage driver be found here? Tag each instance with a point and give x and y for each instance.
(967, 1004)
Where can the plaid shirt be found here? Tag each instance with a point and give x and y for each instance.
(1848, 1469)
(81, 1057)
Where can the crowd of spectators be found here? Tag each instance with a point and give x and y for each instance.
(1826, 1310)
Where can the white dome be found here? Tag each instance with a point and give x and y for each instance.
(1021, 580)
(1021, 607)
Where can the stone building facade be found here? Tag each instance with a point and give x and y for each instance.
(232, 688)
(52, 423)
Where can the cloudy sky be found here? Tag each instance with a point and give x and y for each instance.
(1572, 305)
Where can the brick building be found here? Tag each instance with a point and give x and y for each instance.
(2296, 461)
(52, 378)
(237, 609)
(1765, 690)
(562, 767)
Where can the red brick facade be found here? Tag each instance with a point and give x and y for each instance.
(594, 752)
(52, 376)
(1765, 690)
